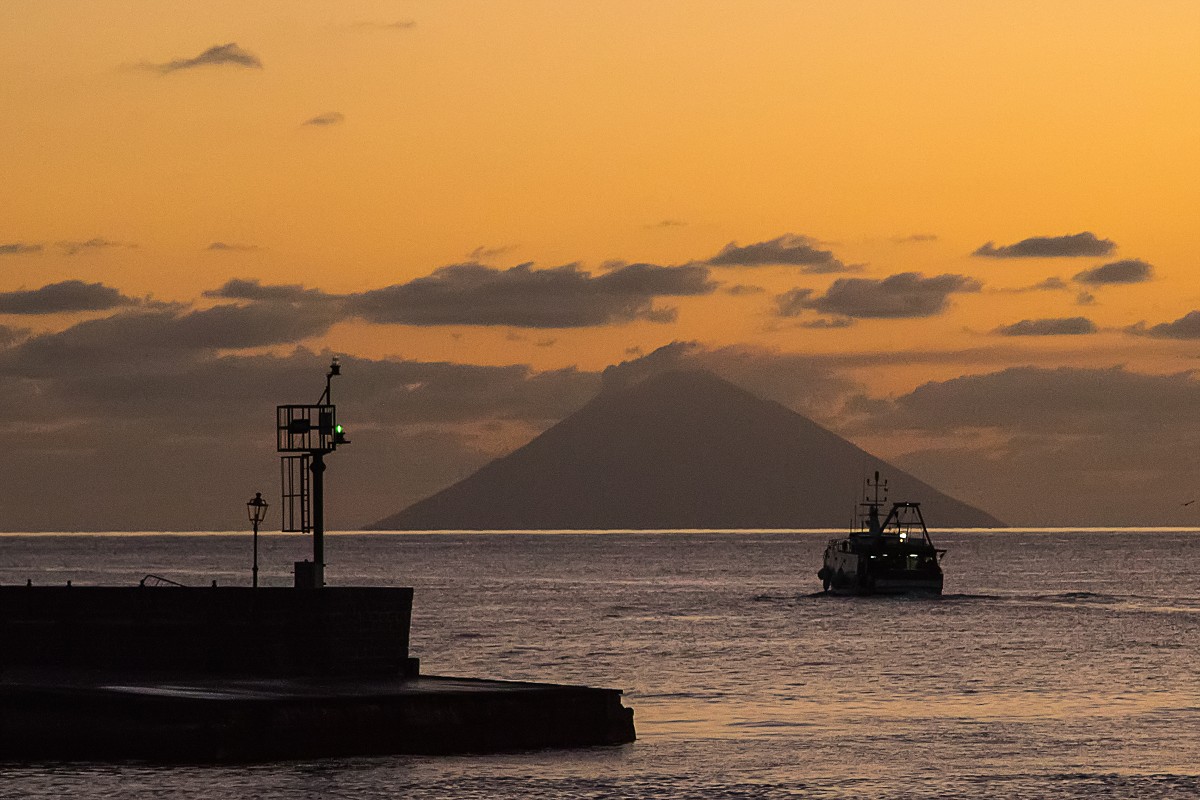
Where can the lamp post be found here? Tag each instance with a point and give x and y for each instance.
(256, 508)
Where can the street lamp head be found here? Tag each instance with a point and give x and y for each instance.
(335, 368)
(256, 508)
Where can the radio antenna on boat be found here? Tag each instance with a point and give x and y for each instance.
(878, 486)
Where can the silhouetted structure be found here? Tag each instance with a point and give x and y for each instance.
(167, 672)
(678, 450)
(306, 434)
(888, 555)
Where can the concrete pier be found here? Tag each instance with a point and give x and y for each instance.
(178, 674)
(181, 719)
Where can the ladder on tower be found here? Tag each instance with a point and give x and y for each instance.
(297, 494)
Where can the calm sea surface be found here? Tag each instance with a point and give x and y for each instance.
(1058, 664)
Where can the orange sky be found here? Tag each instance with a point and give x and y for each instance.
(515, 131)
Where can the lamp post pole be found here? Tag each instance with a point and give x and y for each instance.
(256, 508)
(254, 569)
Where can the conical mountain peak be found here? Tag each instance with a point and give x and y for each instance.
(679, 449)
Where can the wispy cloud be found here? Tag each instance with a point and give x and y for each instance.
(824, 323)
(667, 223)
(99, 243)
(398, 25)
(1052, 284)
(740, 289)
(916, 238)
(908, 294)
(231, 247)
(788, 250)
(1070, 246)
(251, 289)
(328, 118)
(1065, 326)
(19, 248)
(1130, 270)
(218, 55)
(484, 252)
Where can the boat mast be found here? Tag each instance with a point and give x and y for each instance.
(875, 487)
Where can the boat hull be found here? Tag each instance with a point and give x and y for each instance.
(862, 568)
(925, 586)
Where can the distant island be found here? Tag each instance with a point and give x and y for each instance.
(681, 449)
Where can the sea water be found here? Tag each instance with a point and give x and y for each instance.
(1057, 664)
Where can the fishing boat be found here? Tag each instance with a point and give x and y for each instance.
(890, 554)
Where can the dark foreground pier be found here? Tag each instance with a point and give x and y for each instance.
(186, 674)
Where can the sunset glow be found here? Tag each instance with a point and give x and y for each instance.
(833, 204)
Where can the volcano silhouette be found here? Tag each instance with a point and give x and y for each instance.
(677, 450)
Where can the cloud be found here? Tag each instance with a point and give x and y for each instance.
(789, 249)
(231, 247)
(827, 324)
(217, 55)
(1078, 244)
(144, 339)
(1130, 270)
(740, 289)
(1065, 446)
(71, 295)
(398, 25)
(10, 336)
(19, 248)
(143, 387)
(907, 294)
(1051, 284)
(1186, 327)
(1065, 326)
(1039, 400)
(328, 118)
(253, 290)
(423, 425)
(561, 297)
(482, 252)
(668, 223)
(916, 238)
(98, 243)
(1085, 299)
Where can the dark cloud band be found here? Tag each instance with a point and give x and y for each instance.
(787, 250)
(908, 294)
(1073, 245)
(1065, 326)
(561, 297)
(1186, 327)
(65, 296)
(19, 248)
(1130, 270)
